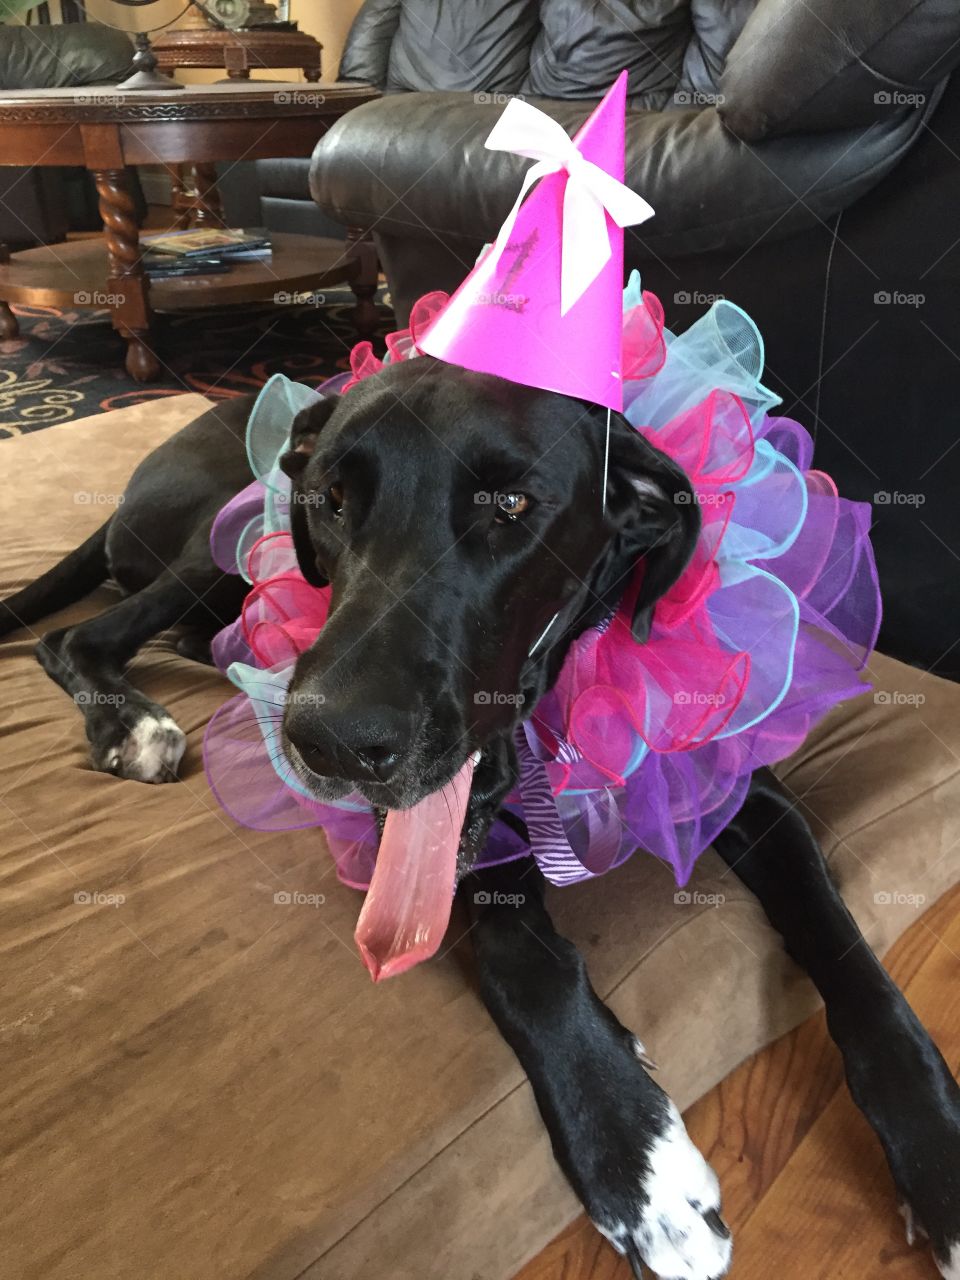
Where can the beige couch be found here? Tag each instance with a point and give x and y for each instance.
(199, 1082)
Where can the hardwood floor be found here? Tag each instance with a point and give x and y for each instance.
(806, 1190)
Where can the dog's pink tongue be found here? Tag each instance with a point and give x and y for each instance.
(407, 907)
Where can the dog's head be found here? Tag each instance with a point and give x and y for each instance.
(454, 515)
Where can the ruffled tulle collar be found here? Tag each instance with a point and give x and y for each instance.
(646, 745)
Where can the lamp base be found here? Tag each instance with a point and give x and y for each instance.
(145, 74)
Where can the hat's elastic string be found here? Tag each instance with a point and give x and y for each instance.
(606, 467)
(539, 641)
(606, 463)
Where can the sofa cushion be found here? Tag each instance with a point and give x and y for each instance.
(197, 1077)
(59, 56)
(366, 51)
(473, 45)
(581, 49)
(812, 66)
(716, 28)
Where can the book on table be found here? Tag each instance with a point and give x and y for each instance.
(165, 266)
(222, 244)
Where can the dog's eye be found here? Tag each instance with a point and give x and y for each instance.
(511, 505)
(335, 498)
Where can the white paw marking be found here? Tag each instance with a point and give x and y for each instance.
(671, 1233)
(950, 1269)
(151, 752)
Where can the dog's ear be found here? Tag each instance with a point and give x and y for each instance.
(303, 438)
(654, 511)
(307, 425)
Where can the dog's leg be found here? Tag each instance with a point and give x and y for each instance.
(896, 1075)
(74, 577)
(617, 1136)
(129, 735)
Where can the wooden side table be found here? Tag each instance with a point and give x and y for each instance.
(238, 52)
(106, 129)
(195, 201)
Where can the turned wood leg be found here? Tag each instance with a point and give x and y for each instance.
(312, 73)
(361, 248)
(179, 197)
(129, 287)
(208, 209)
(8, 321)
(141, 363)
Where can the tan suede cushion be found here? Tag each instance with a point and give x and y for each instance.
(200, 1082)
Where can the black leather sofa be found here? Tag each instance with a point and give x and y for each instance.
(803, 160)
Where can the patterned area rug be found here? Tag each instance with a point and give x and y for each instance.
(69, 364)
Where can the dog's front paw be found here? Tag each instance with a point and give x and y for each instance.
(947, 1259)
(148, 748)
(949, 1263)
(913, 1102)
(673, 1223)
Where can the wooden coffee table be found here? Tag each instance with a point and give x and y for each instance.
(105, 129)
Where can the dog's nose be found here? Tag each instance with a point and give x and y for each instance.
(339, 744)
(380, 760)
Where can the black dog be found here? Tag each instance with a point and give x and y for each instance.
(436, 597)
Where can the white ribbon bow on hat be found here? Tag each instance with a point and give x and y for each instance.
(590, 192)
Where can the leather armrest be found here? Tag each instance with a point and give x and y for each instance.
(835, 64)
(415, 164)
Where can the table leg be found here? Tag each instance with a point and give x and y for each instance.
(130, 307)
(208, 210)
(179, 199)
(8, 321)
(9, 328)
(360, 246)
(312, 73)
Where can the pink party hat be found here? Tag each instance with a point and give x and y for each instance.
(544, 304)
